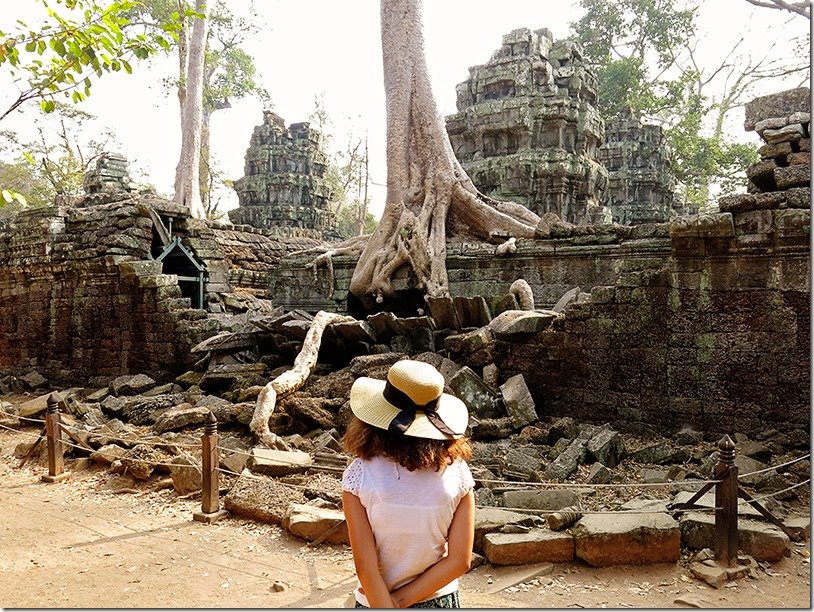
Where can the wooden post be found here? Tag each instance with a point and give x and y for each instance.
(53, 437)
(726, 505)
(210, 489)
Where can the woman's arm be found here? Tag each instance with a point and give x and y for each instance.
(460, 539)
(365, 557)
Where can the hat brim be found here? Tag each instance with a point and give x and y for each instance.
(369, 406)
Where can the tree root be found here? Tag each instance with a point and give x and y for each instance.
(522, 291)
(291, 380)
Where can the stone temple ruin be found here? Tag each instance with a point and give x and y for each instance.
(285, 185)
(641, 187)
(701, 321)
(689, 328)
(527, 129)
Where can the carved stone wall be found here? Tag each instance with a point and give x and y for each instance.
(284, 183)
(527, 130)
(81, 300)
(641, 186)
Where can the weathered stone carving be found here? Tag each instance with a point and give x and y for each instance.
(110, 174)
(641, 186)
(783, 121)
(527, 130)
(284, 185)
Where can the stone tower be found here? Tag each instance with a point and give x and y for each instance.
(641, 185)
(527, 130)
(284, 184)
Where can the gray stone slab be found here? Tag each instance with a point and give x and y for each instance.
(481, 401)
(554, 499)
(511, 322)
(782, 104)
(278, 463)
(488, 520)
(472, 311)
(607, 446)
(442, 309)
(518, 401)
(316, 524)
(603, 540)
(763, 541)
(536, 546)
(261, 499)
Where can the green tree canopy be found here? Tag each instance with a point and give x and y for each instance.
(80, 41)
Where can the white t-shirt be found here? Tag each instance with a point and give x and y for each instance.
(410, 514)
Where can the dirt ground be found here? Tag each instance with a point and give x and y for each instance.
(77, 544)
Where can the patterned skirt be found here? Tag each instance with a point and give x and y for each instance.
(449, 600)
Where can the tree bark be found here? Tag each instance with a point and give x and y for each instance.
(187, 173)
(429, 195)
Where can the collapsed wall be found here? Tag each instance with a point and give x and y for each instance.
(83, 297)
(703, 321)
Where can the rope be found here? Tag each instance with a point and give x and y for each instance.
(775, 467)
(25, 433)
(153, 463)
(16, 416)
(568, 485)
(775, 493)
(141, 442)
(252, 476)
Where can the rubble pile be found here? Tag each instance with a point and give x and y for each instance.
(148, 432)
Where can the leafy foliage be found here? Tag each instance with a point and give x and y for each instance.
(644, 52)
(81, 41)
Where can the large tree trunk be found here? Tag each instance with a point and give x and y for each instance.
(425, 182)
(187, 173)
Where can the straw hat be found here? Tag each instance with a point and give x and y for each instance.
(411, 401)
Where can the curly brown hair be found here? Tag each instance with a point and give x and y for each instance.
(411, 453)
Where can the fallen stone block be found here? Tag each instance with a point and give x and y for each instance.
(489, 520)
(607, 446)
(568, 461)
(278, 463)
(316, 524)
(480, 400)
(518, 401)
(180, 416)
(131, 385)
(536, 546)
(512, 322)
(627, 539)
(800, 526)
(261, 499)
(555, 499)
(186, 475)
(762, 541)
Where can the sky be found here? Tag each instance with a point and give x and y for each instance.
(331, 50)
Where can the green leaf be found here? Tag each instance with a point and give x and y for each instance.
(29, 158)
(47, 106)
(20, 198)
(7, 196)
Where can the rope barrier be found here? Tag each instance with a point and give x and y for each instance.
(563, 485)
(153, 463)
(776, 467)
(17, 416)
(776, 493)
(184, 446)
(25, 433)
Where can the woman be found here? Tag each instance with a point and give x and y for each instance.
(408, 495)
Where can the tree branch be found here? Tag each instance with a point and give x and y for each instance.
(800, 8)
